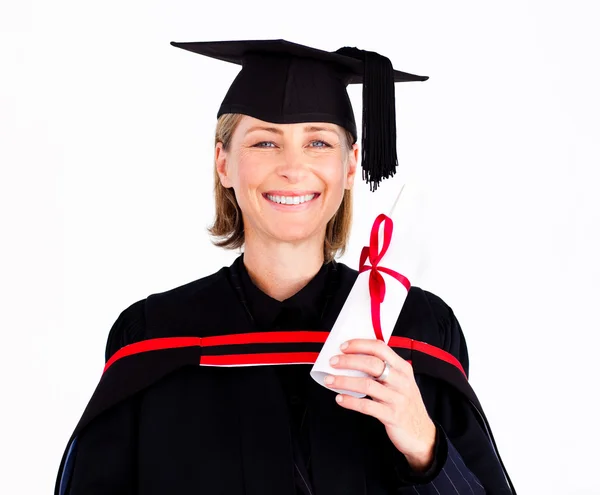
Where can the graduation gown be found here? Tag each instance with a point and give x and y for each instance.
(194, 399)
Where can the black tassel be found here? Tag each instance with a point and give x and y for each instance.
(379, 157)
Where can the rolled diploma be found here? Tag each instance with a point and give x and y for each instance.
(354, 320)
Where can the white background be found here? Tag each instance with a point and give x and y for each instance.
(105, 191)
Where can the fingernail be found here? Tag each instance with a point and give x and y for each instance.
(344, 346)
(329, 380)
(334, 360)
(339, 398)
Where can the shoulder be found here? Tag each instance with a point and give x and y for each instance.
(129, 327)
(136, 322)
(438, 323)
(195, 290)
(441, 311)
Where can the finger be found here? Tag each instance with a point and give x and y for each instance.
(372, 366)
(379, 349)
(366, 386)
(378, 410)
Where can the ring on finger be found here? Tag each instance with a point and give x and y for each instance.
(385, 373)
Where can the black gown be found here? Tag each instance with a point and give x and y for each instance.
(158, 423)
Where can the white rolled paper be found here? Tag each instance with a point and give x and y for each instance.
(355, 320)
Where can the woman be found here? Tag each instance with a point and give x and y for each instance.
(285, 162)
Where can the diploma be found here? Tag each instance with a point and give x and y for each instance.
(378, 294)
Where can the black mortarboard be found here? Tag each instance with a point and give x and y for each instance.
(284, 82)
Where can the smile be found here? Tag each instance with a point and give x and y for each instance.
(290, 200)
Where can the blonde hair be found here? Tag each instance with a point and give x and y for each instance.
(228, 228)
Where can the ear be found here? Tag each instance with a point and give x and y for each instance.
(221, 165)
(351, 167)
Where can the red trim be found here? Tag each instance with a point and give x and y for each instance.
(436, 352)
(262, 358)
(266, 338)
(153, 345)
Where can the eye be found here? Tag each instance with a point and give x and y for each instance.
(320, 144)
(264, 144)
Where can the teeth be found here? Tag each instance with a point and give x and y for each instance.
(290, 200)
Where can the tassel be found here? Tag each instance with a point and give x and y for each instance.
(379, 157)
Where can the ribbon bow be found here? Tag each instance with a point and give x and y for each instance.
(376, 280)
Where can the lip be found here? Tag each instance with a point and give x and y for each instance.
(291, 193)
(291, 208)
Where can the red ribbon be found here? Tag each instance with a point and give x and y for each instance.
(376, 280)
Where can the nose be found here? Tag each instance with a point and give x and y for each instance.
(293, 165)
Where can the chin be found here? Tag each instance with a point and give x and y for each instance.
(289, 233)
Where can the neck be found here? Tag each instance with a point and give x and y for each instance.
(281, 269)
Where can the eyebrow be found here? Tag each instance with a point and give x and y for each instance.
(276, 130)
(314, 128)
(262, 128)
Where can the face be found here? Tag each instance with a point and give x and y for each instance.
(289, 179)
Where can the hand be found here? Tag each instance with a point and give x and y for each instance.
(397, 402)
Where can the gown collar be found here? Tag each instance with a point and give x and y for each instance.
(264, 310)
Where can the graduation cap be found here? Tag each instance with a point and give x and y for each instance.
(284, 82)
